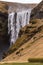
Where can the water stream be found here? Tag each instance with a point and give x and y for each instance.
(17, 20)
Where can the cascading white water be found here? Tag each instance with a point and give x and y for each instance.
(16, 21)
(11, 27)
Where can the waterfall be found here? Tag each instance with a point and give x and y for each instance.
(12, 27)
(17, 20)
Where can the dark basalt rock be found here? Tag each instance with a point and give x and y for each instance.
(37, 12)
(3, 24)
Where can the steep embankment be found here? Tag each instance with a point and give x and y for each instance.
(32, 44)
(35, 50)
(27, 33)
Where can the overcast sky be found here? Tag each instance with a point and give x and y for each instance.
(23, 1)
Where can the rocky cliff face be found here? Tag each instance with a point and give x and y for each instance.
(5, 10)
(32, 30)
(4, 37)
(37, 12)
(3, 23)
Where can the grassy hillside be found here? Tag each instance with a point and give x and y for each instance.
(29, 44)
(22, 64)
(27, 33)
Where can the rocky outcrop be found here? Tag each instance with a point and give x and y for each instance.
(37, 12)
(3, 23)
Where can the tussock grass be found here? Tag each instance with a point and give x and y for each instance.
(36, 60)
